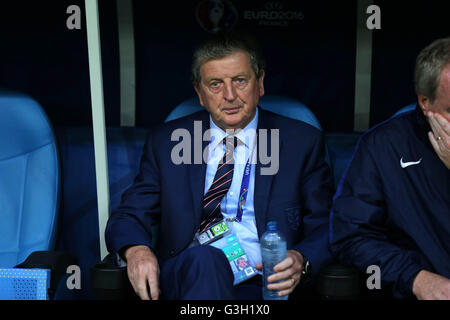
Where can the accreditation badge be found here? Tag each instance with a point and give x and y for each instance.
(221, 236)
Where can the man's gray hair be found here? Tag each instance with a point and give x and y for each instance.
(222, 45)
(429, 65)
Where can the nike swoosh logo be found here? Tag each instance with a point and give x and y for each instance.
(407, 164)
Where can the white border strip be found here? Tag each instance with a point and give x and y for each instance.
(98, 119)
(127, 63)
(363, 73)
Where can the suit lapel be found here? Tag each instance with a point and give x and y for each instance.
(263, 183)
(197, 170)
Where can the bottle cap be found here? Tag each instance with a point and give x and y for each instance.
(272, 226)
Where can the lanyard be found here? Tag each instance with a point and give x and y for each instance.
(244, 189)
(244, 185)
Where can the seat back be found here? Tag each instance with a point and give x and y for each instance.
(29, 183)
(289, 108)
(185, 108)
(409, 107)
(284, 106)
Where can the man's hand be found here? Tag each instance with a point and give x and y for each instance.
(431, 286)
(289, 271)
(440, 137)
(143, 268)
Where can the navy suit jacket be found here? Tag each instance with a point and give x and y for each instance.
(298, 197)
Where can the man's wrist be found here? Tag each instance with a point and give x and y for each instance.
(417, 282)
(127, 251)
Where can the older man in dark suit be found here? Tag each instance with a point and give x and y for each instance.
(183, 198)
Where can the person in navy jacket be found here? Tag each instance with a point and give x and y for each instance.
(228, 75)
(392, 206)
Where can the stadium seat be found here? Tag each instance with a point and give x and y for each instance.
(284, 106)
(409, 107)
(29, 192)
(341, 146)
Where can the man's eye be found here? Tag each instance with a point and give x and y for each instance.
(214, 84)
(240, 82)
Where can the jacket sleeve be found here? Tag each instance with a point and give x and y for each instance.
(317, 191)
(358, 232)
(131, 223)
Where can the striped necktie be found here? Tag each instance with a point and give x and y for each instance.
(219, 188)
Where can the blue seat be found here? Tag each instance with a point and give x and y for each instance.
(185, 108)
(341, 147)
(290, 108)
(405, 109)
(29, 184)
(284, 106)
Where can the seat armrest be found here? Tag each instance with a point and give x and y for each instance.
(56, 261)
(110, 280)
(338, 282)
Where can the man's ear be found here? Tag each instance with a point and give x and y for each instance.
(196, 87)
(261, 83)
(424, 103)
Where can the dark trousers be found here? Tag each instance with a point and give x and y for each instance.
(204, 273)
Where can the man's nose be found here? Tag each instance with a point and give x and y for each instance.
(229, 91)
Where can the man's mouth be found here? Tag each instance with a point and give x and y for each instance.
(231, 110)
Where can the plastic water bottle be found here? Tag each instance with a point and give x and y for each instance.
(273, 251)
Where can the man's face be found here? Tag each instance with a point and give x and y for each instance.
(441, 104)
(230, 90)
